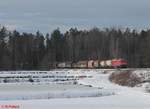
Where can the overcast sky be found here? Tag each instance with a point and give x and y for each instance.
(47, 15)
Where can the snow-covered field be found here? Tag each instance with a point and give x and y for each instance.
(118, 97)
(49, 91)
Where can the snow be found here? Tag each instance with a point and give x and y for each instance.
(122, 101)
(119, 97)
(49, 91)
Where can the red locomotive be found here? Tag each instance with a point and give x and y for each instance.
(119, 63)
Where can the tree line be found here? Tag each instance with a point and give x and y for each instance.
(28, 51)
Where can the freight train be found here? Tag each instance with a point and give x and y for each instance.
(115, 63)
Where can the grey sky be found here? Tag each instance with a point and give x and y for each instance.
(46, 15)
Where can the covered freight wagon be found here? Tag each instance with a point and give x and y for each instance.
(91, 64)
(80, 64)
(61, 65)
(102, 64)
(68, 65)
(108, 63)
(96, 64)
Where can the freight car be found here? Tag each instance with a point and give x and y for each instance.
(80, 64)
(115, 63)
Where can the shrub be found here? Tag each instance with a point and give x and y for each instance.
(125, 78)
